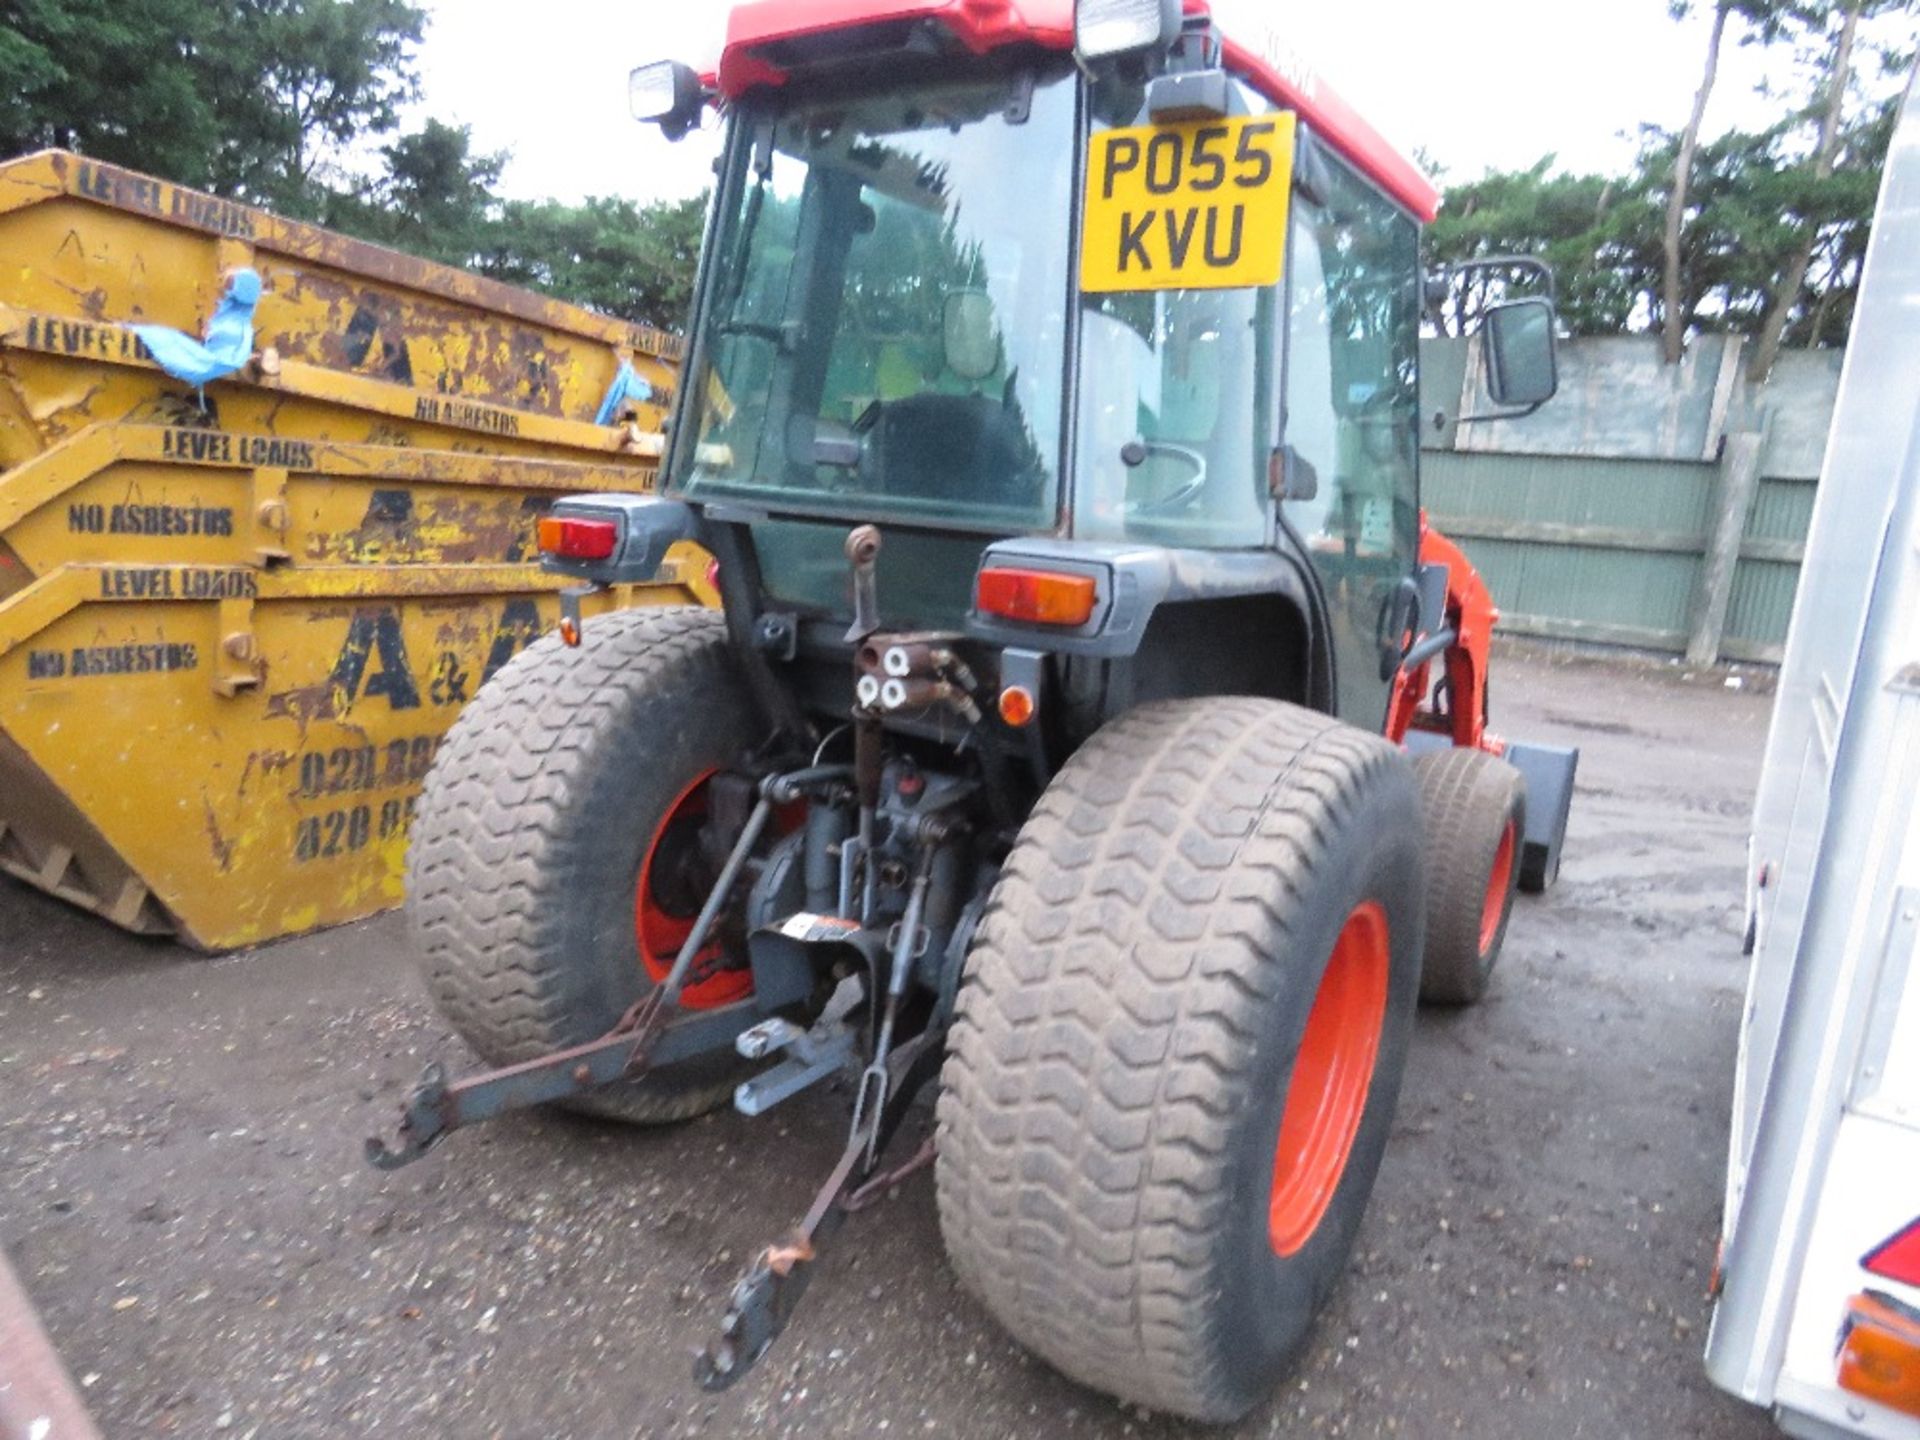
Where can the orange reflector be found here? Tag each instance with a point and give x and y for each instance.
(1038, 597)
(573, 539)
(1016, 705)
(1880, 1352)
(569, 633)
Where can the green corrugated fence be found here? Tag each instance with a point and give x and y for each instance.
(1601, 519)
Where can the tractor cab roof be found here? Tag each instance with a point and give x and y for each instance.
(770, 41)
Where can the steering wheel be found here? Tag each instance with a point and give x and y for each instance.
(1186, 493)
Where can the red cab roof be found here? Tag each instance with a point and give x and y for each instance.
(986, 25)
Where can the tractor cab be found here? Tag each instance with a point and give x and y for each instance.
(1126, 300)
(1051, 413)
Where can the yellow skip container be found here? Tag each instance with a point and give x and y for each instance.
(236, 620)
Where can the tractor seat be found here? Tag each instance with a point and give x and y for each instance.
(972, 447)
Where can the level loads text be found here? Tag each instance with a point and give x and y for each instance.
(223, 447)
(138, 192)
(159, 582)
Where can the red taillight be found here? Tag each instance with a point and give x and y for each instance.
(575, 539)
(1897, 1259)
(1038, 597)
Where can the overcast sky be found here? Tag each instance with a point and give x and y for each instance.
(1478, 84)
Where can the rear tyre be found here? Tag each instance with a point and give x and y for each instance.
(1476, 809)
(1178, 1047)
(552, 860)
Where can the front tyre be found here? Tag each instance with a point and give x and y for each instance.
(1476, 824)
(1178, 1048)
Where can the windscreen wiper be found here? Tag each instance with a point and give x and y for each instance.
(749, 221)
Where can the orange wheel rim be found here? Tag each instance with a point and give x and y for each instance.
(1494, 908)
(663, 921)
(1332, 1077)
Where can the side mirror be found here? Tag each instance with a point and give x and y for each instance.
(969, 335)
(1522, 360)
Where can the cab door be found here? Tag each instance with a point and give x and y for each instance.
(1350, 423)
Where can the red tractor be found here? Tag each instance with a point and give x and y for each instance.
(1052, 412)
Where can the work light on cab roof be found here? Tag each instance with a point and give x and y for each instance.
(668, 94)
(1119, 27)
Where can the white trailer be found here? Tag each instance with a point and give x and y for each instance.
(1818, 1314)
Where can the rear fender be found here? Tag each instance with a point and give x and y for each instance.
(1131, 583)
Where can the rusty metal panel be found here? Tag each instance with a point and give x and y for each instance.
(235, 623)
(128, 491)
(121, 244)
(353, 342)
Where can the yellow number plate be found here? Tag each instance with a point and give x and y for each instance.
(1188, 207)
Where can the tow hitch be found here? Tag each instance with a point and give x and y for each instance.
(435, 1108)
(659, 1031)
(763, 1299)
(642, 1039)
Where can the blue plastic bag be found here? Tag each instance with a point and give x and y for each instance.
(228, 344)
(628, 384)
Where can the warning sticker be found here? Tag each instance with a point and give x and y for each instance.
(811, 929)
(1188, 207)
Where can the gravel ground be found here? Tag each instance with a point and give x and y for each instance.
(181, 1184)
